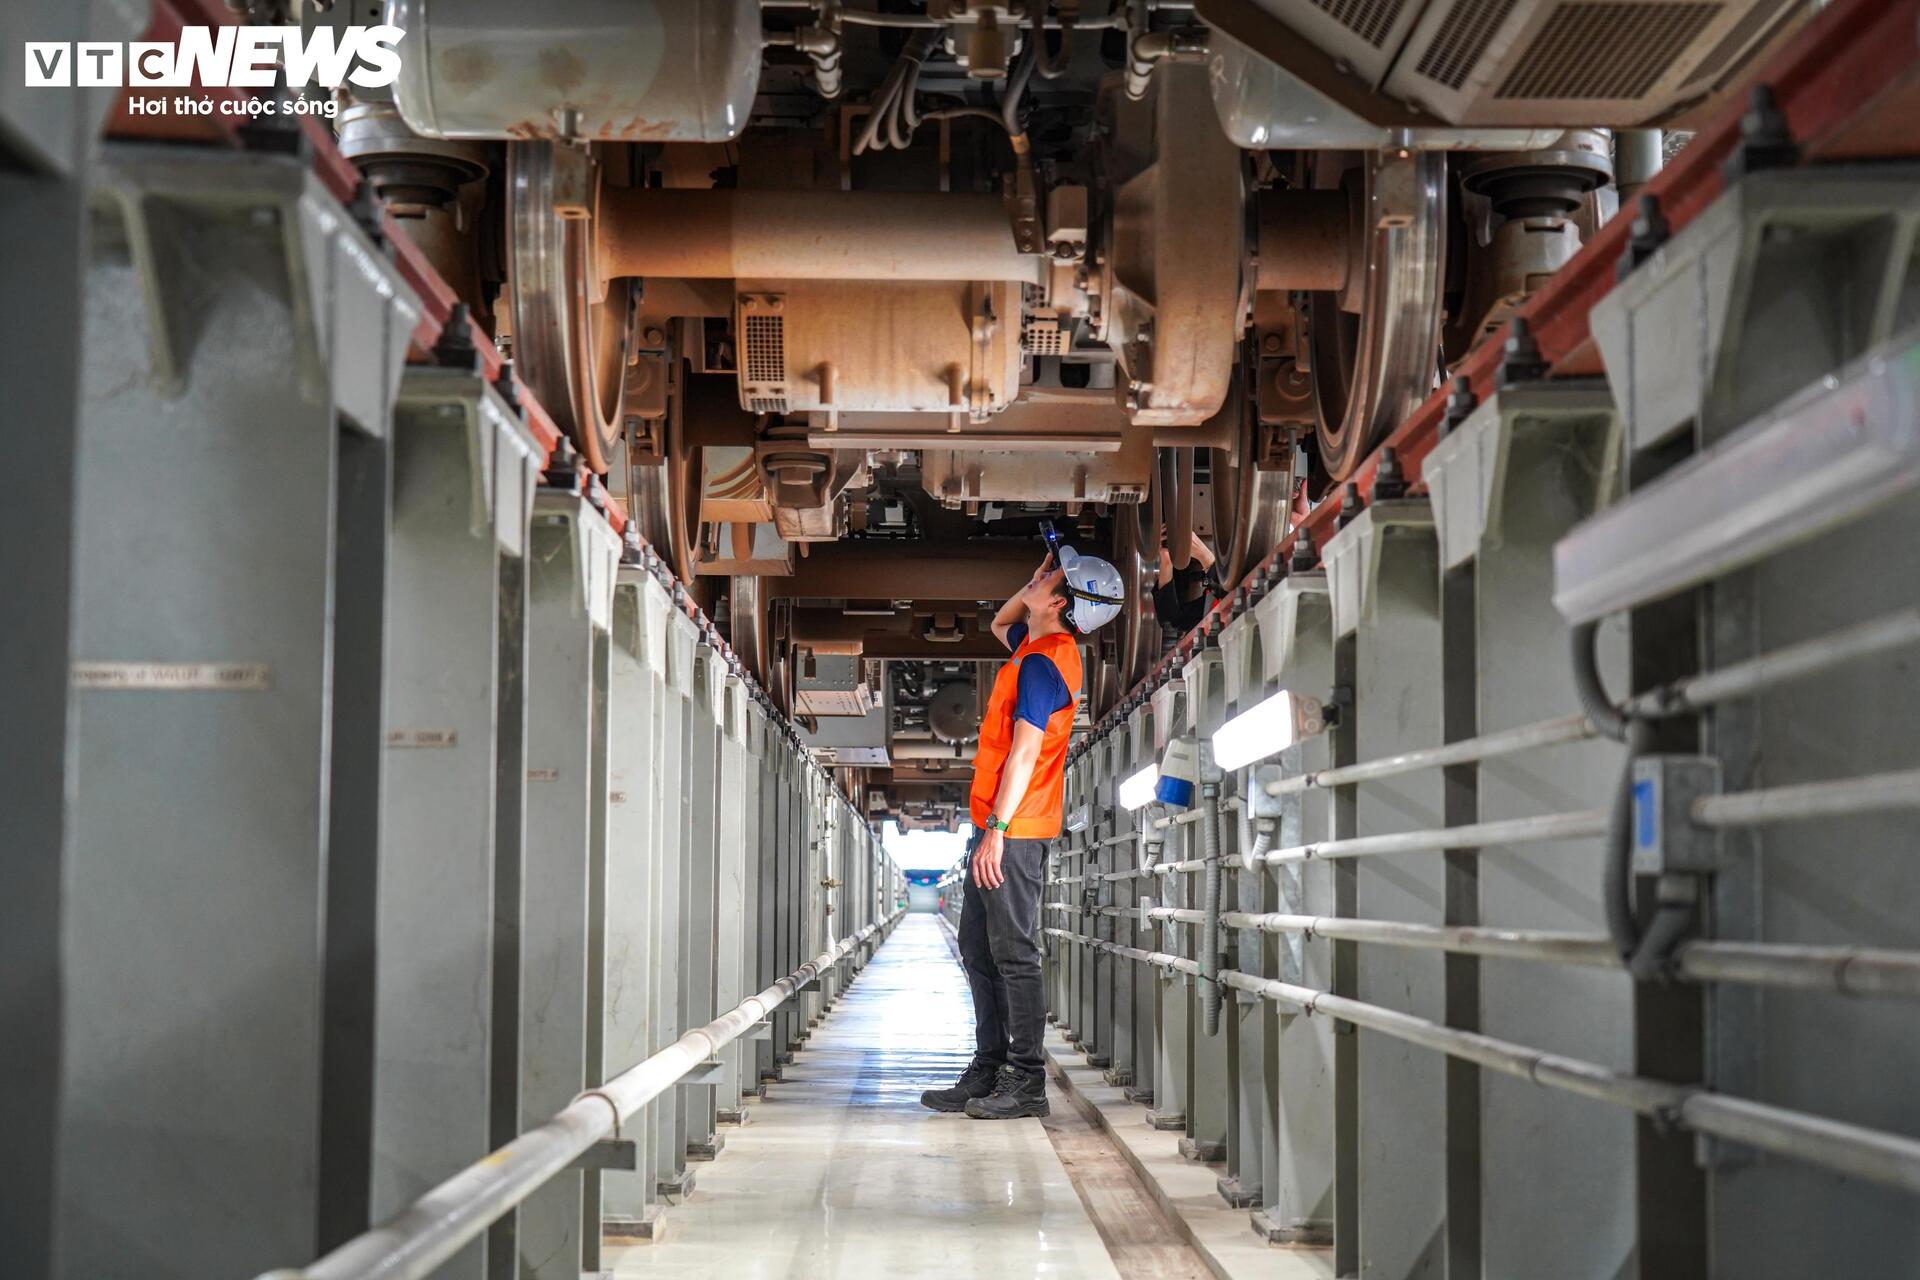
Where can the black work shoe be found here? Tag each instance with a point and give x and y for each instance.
(975, 1082)
(1015, 1093)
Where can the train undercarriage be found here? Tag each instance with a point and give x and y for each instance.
(850, 300)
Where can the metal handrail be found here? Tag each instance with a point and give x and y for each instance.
(409, 1245)
(1878, 792)
(1161, 959)
(1551, 826)
(1186, 816)
(1529, 737)
(1792, 662)
(1870, 793)
(1741, 679)
(1877, 1156)
(1859, 971)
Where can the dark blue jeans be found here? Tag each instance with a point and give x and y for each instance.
(1000, 951)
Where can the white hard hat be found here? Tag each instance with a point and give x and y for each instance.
(1095, 587)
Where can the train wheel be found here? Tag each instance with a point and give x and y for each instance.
(1375, 349)
(749, 633)
(1250, 504)
(570, 338)
(683, 476)
(1136, 553)
(780, 662)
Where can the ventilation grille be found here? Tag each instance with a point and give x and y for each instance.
(1589, 51)
(766, 404)
(766, 340)
(1462, 40)
(1735, 42)
(1045, 338)
(1371, 20)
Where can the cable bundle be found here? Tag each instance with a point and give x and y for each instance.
(893, 118)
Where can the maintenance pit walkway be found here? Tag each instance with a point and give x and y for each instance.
(840, 1171)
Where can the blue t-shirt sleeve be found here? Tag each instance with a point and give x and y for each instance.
(1040, 692)
(1016, 636)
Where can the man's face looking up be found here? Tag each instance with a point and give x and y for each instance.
(1040, 595)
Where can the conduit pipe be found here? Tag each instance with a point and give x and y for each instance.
(1210, 935)
(411, 1244)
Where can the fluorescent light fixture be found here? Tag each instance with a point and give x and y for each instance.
(1138, 789)
(1266, 728)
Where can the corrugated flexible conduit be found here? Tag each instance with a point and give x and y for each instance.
(1210, 935)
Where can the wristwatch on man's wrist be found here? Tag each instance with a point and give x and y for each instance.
(994, 824)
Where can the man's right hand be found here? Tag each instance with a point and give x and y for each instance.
(986, 859)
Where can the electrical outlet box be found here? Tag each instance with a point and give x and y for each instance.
(1664, 838)
(1262, 806)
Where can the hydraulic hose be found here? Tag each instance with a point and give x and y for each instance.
(1210, 932)
(1049, 66)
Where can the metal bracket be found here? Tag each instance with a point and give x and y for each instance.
(1353, 557)
(1470, 470)
(574, 179)
(704, 1073)
(610, 1153)
(1261, 806)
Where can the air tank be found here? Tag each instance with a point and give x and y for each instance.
(611, 70)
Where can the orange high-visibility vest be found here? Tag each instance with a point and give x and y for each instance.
(1039, 813)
